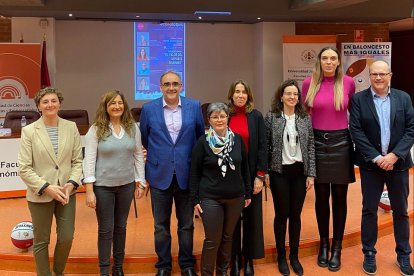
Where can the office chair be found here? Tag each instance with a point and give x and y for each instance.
(79, 116)
(13, 118)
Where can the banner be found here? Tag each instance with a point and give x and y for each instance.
(358, 57)
(300, 53)
(19, 77)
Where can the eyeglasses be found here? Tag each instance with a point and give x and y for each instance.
(381, 75)
(289, 94)
(173, 84)
(216, 118)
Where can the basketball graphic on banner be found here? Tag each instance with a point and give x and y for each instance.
(22, 235)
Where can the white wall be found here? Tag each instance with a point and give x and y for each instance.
(93, 56)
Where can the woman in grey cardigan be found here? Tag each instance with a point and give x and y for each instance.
(292, 171)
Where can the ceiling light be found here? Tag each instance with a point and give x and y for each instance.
(70, 15)
(137, 16)
(259, 18)
(200, 17)
(213, 12)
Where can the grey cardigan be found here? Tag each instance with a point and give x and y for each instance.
(275, 125)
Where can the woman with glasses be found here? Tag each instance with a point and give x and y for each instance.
(327, 94)
(249, 124)
(291, 168)
(219, 187)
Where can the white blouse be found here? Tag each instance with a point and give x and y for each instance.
(89, 162)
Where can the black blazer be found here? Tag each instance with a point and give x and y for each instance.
(366, 133)
(257, 152)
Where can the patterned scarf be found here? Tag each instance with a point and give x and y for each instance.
(222, 146)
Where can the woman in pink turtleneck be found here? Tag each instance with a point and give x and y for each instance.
(249, 124)
(327, 95)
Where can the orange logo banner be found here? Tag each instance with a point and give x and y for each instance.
(19, 76)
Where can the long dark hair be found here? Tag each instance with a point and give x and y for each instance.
(277, 105)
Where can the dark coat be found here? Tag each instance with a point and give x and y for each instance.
(366, 132)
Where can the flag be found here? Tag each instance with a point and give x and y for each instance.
(44, 71)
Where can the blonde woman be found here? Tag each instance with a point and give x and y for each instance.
(113, 169)
(327, 95)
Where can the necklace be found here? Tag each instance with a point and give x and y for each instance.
(291, 134)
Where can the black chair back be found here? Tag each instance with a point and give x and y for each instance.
(136, 113)
(204, 107)
(14, 118)
(79, 116)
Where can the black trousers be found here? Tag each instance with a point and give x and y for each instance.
(219, 219)
(112, 209)
(252, 242)
(288, 191)
(372, 185)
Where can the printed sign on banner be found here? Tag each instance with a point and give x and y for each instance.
(19, 76)
(357, 57)
(300, 53)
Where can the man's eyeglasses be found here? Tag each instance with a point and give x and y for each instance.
(173, 84)
(381, 75)
(216, 118)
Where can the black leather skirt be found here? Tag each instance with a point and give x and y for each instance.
(334, 152)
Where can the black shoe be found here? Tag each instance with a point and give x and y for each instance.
(403, 262)
(248, 267)
(163, 272)
(334, 263)
(188, 272)
(370, 264)
(296, 266)
(235, 266)
(117, 271)
(323, 252)
(282, 263)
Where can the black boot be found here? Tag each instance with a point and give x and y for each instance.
(236, 264)
(117, 271)
(335, 260)
(282, 263)
(294, 261)
(248, 267)
(323, 252)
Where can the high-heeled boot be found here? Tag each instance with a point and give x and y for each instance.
(248, 267)
(294, 261)
(335, 260)
(236, 264)
(117, 271)
(282, 263)
(323, 252)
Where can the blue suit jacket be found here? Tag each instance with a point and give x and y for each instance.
(366, 133)
(164, 156)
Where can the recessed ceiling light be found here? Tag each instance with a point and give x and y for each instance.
(137, 16)
(70, 15)
(200, 17)
(259, 18)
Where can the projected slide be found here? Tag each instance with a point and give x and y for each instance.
(158, 47)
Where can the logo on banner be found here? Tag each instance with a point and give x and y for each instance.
(308, 56)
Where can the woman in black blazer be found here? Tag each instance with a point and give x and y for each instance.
(249, 124)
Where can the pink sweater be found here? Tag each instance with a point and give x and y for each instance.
(323, 113)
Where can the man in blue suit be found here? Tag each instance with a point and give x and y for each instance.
(170, 126)
(382, 128)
